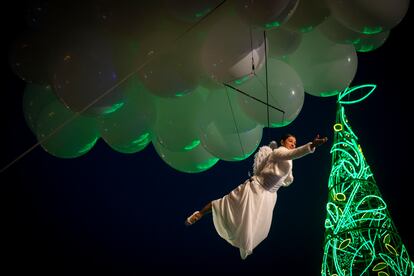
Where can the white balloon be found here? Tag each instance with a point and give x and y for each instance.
(244, 66)
(338, 33)
(266, 13)
(176, 124)
(192, 161)
(282, 100)
(225, 131)
(282, 42)
(35, 99)
(171, 74)
(231, 146)
(369, 16)
(324, 66)
(231, 50)
(85, 79)
(189, 10)
(308, 15)
(128, 130)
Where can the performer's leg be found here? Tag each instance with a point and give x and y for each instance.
(199, 214)
(206, 209)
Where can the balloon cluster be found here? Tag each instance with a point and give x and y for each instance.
(197, 79)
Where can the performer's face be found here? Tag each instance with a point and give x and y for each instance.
(290, 142)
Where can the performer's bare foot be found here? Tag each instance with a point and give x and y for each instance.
(193, 218)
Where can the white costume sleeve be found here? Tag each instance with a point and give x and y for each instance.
(282, 153)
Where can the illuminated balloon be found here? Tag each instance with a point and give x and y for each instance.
(368, 43)
(369, 16)
(129, 18)
(140, 32)
(308, 15)
(231, 146)
(189, 10)
(324, 67)
(266, 13)
(59, 17)
(30, 57)
(282, 42)
(338, 33)
(133, 48)
(176, 125)
(35, 98)
(85, 79)
(171, 74)
(225, 131)
(231, 50)
(283, 101)
(128, 129)
(64, 135)
(194, 160)
(126, 54)
(209, 83)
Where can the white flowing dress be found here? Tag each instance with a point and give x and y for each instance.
(244, 216)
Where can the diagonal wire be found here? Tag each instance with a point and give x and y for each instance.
(235, 123)
(267, 81)
(252, 97)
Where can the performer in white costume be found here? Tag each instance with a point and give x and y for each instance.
(244, 216)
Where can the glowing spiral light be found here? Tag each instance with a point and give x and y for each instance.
(360, 236)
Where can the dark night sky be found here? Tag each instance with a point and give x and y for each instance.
(116, 214)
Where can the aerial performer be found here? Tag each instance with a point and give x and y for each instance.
(243, 217)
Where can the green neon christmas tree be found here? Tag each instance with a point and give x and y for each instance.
(360, 236)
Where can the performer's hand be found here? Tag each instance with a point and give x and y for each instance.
(318, 141)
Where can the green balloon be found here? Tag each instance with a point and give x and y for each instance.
(369, 16)
(307, 15)
(225, 130)
(282, 42)
(338, 33)
(192, 161)
(177, 120)
(280, 103)
(63, 134)
(35, 98)
(128, 130)
(324, 67)
(368, 43)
